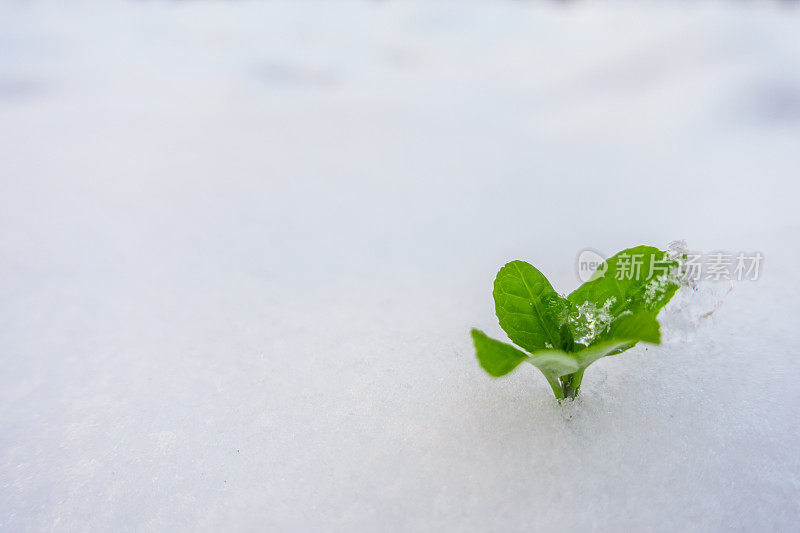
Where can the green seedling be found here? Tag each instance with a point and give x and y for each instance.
(610, 313)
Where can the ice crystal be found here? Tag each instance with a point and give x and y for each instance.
(587, 321)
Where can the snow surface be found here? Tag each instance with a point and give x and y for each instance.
(242, 245)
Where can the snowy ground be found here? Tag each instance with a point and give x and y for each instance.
(242, 245)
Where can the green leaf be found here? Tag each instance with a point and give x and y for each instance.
(639, 326)
(623, 334)
(527, 306)
(497, 358)
(639, 278)
(554, 363)
(597, 351)
(623, 298)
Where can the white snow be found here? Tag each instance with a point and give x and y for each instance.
(242, 245)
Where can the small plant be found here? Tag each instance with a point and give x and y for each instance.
(607, 315)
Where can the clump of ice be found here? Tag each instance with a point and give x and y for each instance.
(677, 249)
(691, 307)
(668, 277)
(588, 321)
(695, 301)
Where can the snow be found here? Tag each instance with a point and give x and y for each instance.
(242, 245)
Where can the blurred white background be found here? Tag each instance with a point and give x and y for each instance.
(242, 245)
